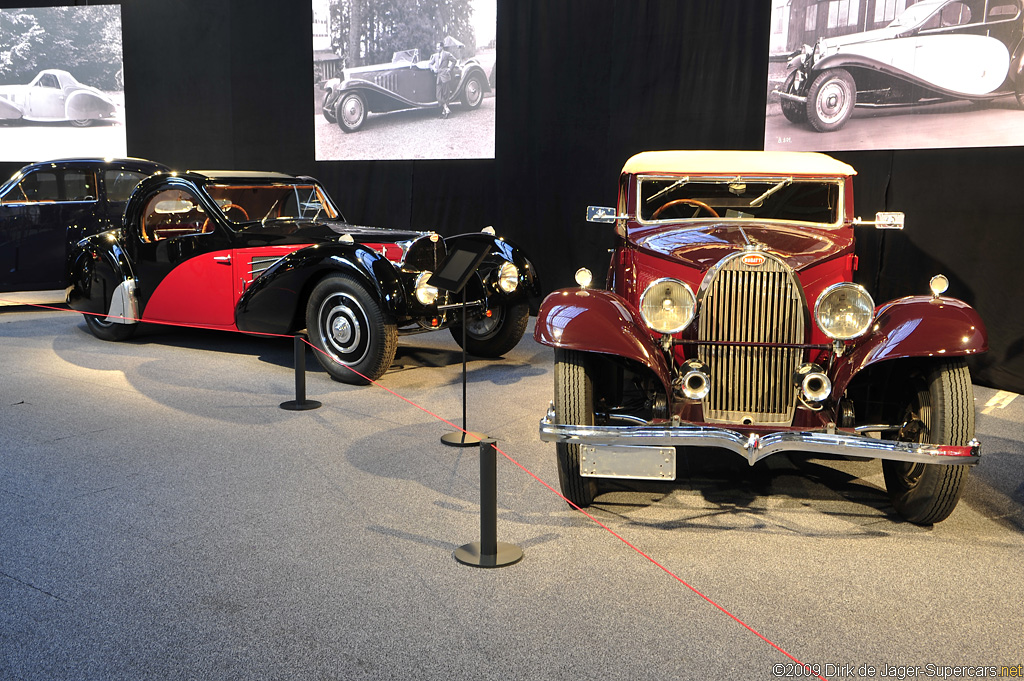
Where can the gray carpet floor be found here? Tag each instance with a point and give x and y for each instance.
(162, 518)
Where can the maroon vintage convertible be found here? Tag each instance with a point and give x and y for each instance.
(731, 320)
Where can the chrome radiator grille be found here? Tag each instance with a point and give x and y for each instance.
(751, 304)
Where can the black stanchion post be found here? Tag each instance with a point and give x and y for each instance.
(300, 403)
(488, 552)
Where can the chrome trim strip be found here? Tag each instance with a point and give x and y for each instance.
(753, 448)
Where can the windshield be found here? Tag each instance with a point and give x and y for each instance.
(779, 198)
(915, 14)
(249, 202)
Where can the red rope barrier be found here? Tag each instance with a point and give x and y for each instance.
(808, 669)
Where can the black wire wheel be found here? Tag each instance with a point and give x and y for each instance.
(574, 405)
(350, 330)
(940, 411)
(494, 335)
(109, 331)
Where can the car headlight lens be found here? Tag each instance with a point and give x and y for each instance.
(508, 277)
(844, 311)
(425, 293)
(667, 306)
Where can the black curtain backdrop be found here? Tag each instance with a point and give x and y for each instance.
(583, 85)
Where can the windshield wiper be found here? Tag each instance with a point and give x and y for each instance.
(756, 203)
(678, 183)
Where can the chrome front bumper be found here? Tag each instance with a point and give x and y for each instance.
(753, 447)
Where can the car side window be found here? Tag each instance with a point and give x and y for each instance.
(38, 187)
(79, 185)
(49, 80)
(173, 213)
(953, 14)
(121, 183)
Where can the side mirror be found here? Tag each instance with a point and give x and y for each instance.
(602, 214)
(884, 220)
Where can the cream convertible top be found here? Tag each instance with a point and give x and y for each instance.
(737, 162)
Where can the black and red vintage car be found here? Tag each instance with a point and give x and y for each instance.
(731, 320)
(271, 253)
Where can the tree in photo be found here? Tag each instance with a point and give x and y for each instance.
(371, 31)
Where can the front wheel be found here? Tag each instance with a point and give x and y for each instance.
(496, 334)
(940, 411)
(830, 100)
(350, 330)
(81, 122)
(574, 405)
(350, 112)
(473, 92)
(109, 331)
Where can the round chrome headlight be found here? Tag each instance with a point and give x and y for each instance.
(508, 277)
(667, 306)
(844, 311)
(425, 293)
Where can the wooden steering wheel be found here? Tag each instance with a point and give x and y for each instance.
(225, 208)
(688, 202)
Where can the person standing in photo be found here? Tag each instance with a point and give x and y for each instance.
(441, 63)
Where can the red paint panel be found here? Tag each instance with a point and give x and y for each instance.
(196, 292)
(392, 252)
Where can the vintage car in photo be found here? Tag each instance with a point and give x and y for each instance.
(405, 83)
(271, 253)
(935, 51)
(731, 319)
(46, 208)
(55, 96)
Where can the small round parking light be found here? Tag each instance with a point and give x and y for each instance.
(938, 285)
(584, 277)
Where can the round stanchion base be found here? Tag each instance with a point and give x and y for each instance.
(460, 439)
(304, 405)
(508, 554)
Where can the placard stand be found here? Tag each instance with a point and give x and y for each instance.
(452, 276)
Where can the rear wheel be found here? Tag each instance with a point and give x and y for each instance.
(347, 325)
(574, 405)
(940, 411)
(81, 122)
(473, 92)
(109, 331)
(494, 335)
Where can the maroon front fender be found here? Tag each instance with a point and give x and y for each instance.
(915, 326)
(599, 321)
